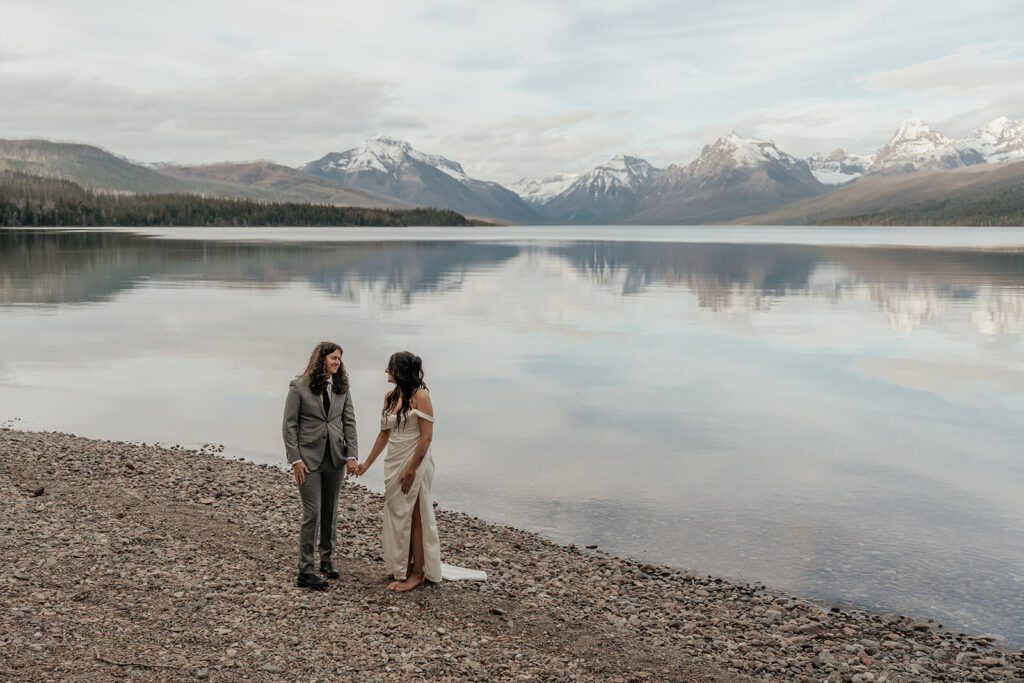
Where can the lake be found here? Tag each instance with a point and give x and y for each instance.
(836, 413)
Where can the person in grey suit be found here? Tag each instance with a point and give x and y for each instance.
(320, 443)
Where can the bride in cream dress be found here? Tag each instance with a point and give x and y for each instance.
(412, 549)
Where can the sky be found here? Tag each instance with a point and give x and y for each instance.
(508, 89)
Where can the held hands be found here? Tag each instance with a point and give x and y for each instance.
(358, 469)
(300, 470)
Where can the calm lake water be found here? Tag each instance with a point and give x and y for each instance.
(836, 413)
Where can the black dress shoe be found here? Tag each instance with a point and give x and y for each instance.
(311, 581)
(329, 570)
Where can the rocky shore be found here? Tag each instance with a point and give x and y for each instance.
(135, 562)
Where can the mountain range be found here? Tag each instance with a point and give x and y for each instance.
(390, 167)
(733, 179)
(609, 193)
(97, 169)
(730, 178)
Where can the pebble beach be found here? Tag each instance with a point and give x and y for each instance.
(138, 562)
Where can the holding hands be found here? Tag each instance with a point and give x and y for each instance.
(358, 469)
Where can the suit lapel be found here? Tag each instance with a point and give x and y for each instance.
(336, 403)
(318, 400)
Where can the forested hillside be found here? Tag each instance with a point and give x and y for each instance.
(995, 208)
(27, 200)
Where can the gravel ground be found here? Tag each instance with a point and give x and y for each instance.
(136, 562)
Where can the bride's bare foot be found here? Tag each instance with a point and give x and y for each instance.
(413, 581)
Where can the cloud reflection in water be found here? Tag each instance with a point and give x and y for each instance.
(842, 422)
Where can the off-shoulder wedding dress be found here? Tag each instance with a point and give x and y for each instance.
(398, 506)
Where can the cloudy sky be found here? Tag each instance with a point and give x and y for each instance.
(509, 89)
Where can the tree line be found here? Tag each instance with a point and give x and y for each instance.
(1003, 207)
(36, 201)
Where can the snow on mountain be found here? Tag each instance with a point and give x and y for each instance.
(620, 171)
(735, 151)
(732, 177)
(387, 154)
(839, 167)
(390, 167)
(604, 194)
(916, 146)
(540, 191)
(999, 140)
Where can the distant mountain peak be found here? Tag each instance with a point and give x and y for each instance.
(387, 139)
(917, 146)
(391, 167)
(540, 191)
(733, 176)
(734, 150)
(1001, 139)
(607, 192)
(635, 166)
(838, 167)
(999, 124)
(914, 128)
(621, 171)
(387, 154)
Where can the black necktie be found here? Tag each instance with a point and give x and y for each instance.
(327, 402)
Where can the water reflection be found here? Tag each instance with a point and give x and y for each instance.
(911, 286)
(49, 267)
(837, 421)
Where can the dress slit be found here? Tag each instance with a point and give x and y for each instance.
(399, 507)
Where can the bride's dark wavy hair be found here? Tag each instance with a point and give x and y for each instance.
(316, 369)
(407, 369)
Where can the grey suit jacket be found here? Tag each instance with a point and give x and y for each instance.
(307, 430)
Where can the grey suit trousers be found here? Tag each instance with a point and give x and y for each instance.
(319, 495)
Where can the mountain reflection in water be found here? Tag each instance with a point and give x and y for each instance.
(842, 422)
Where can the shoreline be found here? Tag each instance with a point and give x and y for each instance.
(163, 563)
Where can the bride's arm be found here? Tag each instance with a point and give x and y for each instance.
(422, 403)
(378, 446)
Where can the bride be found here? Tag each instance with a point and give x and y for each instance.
(412, 550)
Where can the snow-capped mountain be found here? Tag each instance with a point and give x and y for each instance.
(839, 167)
(607, 193)
(999, 140)
(916, 146)
(735, 151)
(732, 177)
(386, 154)
(540, 191)
(621, 171)
(390, 167)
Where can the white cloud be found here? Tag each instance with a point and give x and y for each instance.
(508, 89)
(277, 115)
(967, 71)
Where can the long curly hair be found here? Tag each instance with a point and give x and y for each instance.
(316, 369)
(407, 369)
